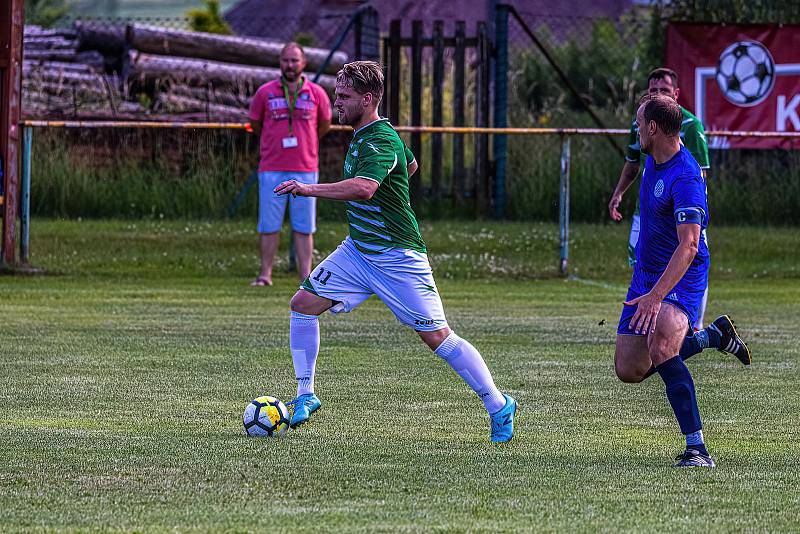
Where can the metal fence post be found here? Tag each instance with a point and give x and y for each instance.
(563, 203)
(25, 207)
(500, 108)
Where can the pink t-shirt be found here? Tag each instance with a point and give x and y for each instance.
(269, 105)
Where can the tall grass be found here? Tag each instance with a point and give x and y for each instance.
(171, 174)
(139, 173)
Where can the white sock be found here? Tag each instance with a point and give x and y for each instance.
(304, 344)
(468, 363)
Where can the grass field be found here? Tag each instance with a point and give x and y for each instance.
(126, 368)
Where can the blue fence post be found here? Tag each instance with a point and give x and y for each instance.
(25, 208)
(563, 203)
(500, 108)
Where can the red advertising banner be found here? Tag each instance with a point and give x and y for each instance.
(739, 78)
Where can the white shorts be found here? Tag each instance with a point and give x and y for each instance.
(271, 207)
(401, 278)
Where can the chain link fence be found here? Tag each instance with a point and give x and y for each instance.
(606, 61)
(155, 69)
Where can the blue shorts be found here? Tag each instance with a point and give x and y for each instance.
(686, 295)
(271, 207)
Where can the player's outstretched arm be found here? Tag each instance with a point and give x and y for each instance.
(629, 173)
(350, 189)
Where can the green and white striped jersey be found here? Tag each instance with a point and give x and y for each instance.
(386, 221)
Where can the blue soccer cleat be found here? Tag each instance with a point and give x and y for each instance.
(304, 406)
(503, 421)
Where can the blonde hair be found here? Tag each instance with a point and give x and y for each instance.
(364, 77)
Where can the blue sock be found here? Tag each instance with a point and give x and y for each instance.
(681, 394)
(694, 344)
(695, 441)
(714, 336)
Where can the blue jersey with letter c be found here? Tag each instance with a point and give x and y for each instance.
(672, 193)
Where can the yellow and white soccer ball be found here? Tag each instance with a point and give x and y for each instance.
(266, 416)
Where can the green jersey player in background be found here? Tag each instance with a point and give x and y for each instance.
(384, 254)
(662, 81)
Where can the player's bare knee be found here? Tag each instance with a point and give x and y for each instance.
(297, 304)
(436, 338)
(627, 374)
(301, 303)
(662, 347)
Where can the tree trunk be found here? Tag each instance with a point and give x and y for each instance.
(214, 112)
(227, 48)
(199, 72)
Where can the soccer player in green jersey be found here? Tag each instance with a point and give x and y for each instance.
(662, 81)
(384, 254)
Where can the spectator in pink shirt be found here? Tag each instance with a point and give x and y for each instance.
(290, 115)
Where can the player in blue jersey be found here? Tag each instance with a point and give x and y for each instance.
(670, 275)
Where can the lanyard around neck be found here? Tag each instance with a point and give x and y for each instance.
(291, 102)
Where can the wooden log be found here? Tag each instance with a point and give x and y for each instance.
(55, 66)
(181, 104)
(129, 111)
(147, 67)
(32, 30)
(55, 75)
(49, 55)
(89, 85)
(60, 89)
(225, 48)
(211, 94)
(48, 43)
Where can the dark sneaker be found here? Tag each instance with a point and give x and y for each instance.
(731, 342)
(693, 458)
(304, 406)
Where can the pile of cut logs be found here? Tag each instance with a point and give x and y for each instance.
(95, 70)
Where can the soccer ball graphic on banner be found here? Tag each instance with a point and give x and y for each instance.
(746, 73)
(266, 416)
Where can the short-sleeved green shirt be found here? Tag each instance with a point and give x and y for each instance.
(693, 136)
(385, 221)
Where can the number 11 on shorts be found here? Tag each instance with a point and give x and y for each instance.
(322, 276)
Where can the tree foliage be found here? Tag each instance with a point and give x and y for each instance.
(44, 12)
(733, 11)
(208, 20)
(605, 61)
